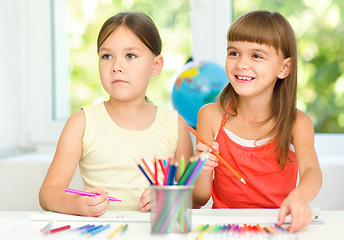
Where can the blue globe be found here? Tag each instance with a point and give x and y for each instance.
(195, 85)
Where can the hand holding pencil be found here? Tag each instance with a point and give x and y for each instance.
(216, 154)
(212, 160)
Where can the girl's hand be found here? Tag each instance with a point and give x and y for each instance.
(301, 214)
(212, 161)
(145, 199)
(93, 206)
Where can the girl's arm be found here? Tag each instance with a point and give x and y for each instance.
(68, 153)
(310, 175)
(209, 118)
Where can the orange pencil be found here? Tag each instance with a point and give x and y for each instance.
(216, 154)
(148, 168)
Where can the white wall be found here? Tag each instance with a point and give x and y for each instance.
(9, 76)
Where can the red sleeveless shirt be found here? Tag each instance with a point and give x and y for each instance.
(267, 185)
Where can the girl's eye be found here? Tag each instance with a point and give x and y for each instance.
(106, 56)
(130, 56)
(257, 56)
(233, 53)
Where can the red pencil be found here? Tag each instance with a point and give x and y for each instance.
(57, 229)
(162, 165)
(156, 172)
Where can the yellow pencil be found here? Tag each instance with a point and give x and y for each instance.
(114, 232)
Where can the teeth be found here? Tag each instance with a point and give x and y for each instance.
(244, 78)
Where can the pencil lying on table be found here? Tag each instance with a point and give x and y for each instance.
(216, 154)
(69, 190)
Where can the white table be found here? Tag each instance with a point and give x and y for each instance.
(27, 225)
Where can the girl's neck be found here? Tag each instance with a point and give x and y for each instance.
(136, 115)
(254, 110)
(252, 121)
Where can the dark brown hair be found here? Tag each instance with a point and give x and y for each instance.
(274, 30)
(139, 23)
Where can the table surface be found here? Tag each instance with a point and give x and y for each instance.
(27, 225)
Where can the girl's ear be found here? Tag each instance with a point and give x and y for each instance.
(158, 64)
(285, 70)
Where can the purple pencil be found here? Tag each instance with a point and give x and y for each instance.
(69, 190)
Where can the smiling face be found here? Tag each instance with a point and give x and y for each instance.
(253, 68)
(126, 65)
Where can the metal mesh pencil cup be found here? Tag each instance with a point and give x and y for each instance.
(171, 209)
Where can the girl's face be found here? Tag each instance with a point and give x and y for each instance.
(253, 68)
(126, 65)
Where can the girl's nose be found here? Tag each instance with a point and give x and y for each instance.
(242, 63)
(117, 67)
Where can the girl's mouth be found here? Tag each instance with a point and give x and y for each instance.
(244, 78)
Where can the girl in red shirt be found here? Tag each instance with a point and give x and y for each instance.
(257, 128)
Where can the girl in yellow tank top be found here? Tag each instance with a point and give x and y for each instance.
(107, 138)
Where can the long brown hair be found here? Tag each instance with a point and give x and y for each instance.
(272, 29)
(137, 22)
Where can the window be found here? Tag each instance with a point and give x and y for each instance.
(40, 124)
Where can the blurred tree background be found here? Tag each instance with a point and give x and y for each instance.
(318, 25)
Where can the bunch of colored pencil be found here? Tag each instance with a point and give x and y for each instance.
(169, 169)
(243, 232)
(172, 196)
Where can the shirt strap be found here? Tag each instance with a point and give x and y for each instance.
(226, 113)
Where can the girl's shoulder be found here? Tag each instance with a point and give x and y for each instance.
(210, 117)
(303, 124)
(302, 118)
(212, 109)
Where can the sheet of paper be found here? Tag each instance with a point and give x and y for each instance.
(245, 216)
(125, 216)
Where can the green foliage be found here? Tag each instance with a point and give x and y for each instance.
(319, 30)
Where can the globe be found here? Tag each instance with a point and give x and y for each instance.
(195, 85)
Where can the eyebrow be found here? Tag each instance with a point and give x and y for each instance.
(253, 50)
(126, 49)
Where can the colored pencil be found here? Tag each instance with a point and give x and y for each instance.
(84, 227)
(216, 154)
(57, 229)
(47, 227)
(172, 173)
(148, 168)
(124, 228)
(95, 231)
(167, 172)
(88, 230)
(114, 232)
(182, 166)
(156, 172)
(162, 166)
(187, 173)
(143, 171)
(69, 190)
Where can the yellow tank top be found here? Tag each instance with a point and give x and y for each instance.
(110, 153)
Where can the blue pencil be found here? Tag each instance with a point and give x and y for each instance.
(98, 230)
(145, 174)
(88, 230)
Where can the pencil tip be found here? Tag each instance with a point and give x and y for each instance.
(243, 180)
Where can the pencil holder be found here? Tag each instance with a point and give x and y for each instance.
(171, 209)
